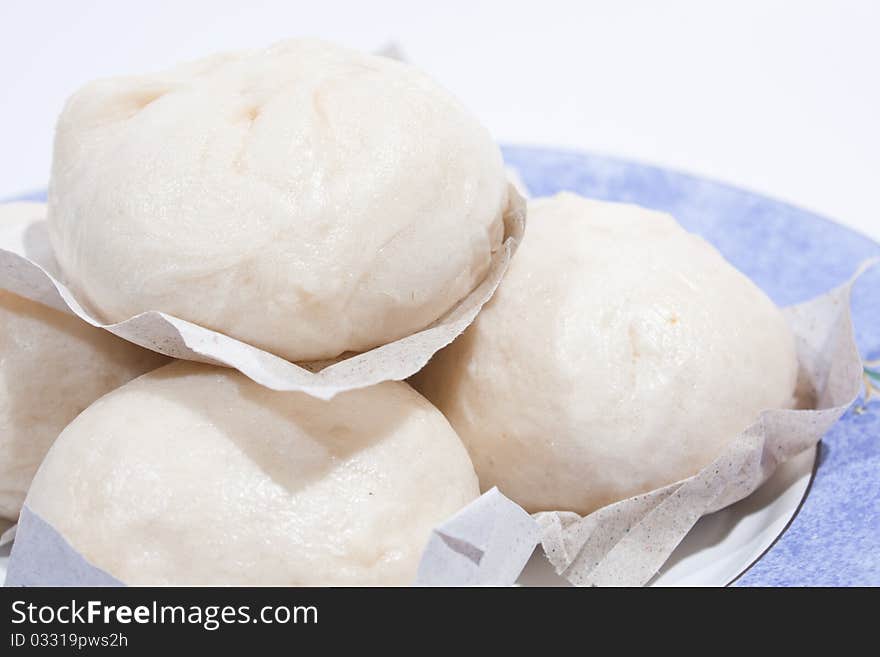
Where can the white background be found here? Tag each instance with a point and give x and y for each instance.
(779, 97)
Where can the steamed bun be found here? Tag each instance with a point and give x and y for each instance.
(305, 198)
(620, 354)
(52, 366)
(194, 474)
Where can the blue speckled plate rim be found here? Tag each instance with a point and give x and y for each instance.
(805, 553)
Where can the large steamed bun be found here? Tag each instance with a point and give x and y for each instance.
(197, 475)
(52, 366)
(305, 198)
(620, 354)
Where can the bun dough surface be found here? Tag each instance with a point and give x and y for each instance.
(620, 354)
(305, 198)
(196, 475)
(52, 366)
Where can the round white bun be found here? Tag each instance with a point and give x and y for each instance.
(620, 354)
(53, 366)
(194, 474)
(307, 199)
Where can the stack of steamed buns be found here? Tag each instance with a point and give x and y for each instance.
(313, 201)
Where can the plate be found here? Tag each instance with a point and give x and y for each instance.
(817, 520)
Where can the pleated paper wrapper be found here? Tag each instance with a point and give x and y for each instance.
(488, 542)
(28, 268)
(485, 544)
(623, 544)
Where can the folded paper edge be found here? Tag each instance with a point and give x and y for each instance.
(453, 558)
(41, 556)
(8, 535)
(562, 555)
(200, 344)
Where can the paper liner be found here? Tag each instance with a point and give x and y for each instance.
(486, 543)
(626, 543)
(8, 535)
(489, 541)
(42, 557)
(28, 268)
(623, 544)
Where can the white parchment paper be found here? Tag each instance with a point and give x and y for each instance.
(486, 543)
(626, 543)
(489, 541)
(28, 268)
(623, 544)
(8, 535)
(42, 557)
